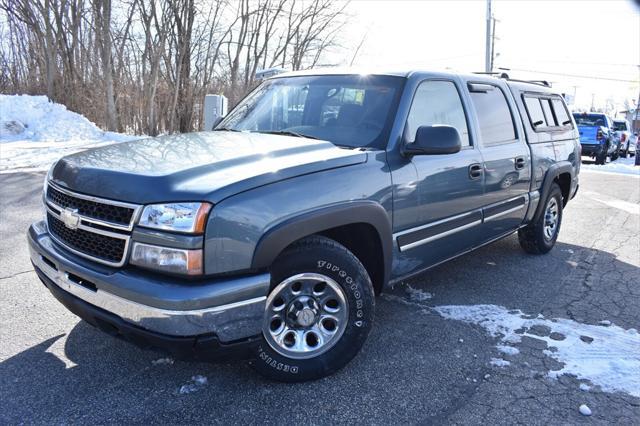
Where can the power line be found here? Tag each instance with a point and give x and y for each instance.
(593, 77)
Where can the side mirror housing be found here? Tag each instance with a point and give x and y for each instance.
(434, 140)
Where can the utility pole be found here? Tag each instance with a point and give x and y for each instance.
(636, 125)
(493, 43)
(488, 53)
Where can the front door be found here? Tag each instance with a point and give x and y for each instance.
(437, 198)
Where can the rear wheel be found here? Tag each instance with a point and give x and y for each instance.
(318, 313)
(540, 237)
(615, 154)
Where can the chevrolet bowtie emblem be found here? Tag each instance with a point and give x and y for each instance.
(70, 218)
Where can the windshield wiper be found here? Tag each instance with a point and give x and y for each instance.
(226, 129)
(286, 133)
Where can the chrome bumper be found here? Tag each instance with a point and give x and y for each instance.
(235, 307)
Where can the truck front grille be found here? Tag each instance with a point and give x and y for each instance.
(91, 227)
(116, 214)
(98, 246)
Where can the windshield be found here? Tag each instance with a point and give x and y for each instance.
(347, 110)
(590, 120)
(620, 125)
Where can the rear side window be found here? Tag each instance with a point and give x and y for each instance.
(561, 112)
(534, 109)
(546, 107)
(546, 112)
(494, 116)
(437, 102)
(620, 126)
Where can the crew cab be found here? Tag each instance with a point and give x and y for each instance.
(597, 136)
(269, 237)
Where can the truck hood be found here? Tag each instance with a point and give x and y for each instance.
(207, 166)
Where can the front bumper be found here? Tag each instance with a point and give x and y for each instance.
(145, 304)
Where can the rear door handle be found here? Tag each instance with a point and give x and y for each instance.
(520, 163)
(475, 171)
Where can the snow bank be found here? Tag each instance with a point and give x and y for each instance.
(608, 356)
(35, 132)
(620, 166)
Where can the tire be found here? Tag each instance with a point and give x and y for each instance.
(601, 158)
(294, 347)
(615, 154)
(534, 238)
(623, 154)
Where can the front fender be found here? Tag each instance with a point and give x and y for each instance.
(352, 212)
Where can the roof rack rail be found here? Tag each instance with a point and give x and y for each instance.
(505, 76)
(544, 83)
(495, 74)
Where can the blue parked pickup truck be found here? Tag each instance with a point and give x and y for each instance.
(597, 136)
(270, 236)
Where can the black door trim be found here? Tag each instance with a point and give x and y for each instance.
(432, 231)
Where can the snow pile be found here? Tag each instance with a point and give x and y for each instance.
(608, 356)
(35, 132)
(620, 166)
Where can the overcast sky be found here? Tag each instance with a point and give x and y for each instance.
(586, 38)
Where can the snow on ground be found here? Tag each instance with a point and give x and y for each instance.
(35, 132)
(197, 382)
(417, 295)
(608, 356)
(623, 166)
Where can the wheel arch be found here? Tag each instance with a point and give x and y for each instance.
(364, 227)
(561, 173)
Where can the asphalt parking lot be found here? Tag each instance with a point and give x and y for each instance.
(416, 367)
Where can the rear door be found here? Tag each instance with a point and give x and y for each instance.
(507, 160)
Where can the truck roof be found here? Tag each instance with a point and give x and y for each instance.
(525, 86)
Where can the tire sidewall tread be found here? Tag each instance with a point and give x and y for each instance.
(318, 254)
(531, 237)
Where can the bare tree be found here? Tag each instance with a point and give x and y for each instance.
(144, 66)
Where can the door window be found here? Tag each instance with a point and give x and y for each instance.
(437, 102)
(494, 116)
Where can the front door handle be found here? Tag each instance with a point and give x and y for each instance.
(520, 163)
(475, 171)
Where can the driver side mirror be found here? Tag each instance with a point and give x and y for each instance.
(434, 140)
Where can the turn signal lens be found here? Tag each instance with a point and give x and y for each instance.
(166, 259)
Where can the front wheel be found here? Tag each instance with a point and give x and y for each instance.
(540, 237)
(623, 154)
(318, 313)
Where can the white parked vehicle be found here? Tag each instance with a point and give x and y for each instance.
(622, 135)
(633, 144)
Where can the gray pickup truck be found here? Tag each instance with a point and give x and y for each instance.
(269, 237)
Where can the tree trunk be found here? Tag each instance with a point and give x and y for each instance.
(104, 7)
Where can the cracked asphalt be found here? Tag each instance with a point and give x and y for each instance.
(416, 366)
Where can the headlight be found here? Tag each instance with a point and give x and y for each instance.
(166, 259)
(179, 217)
